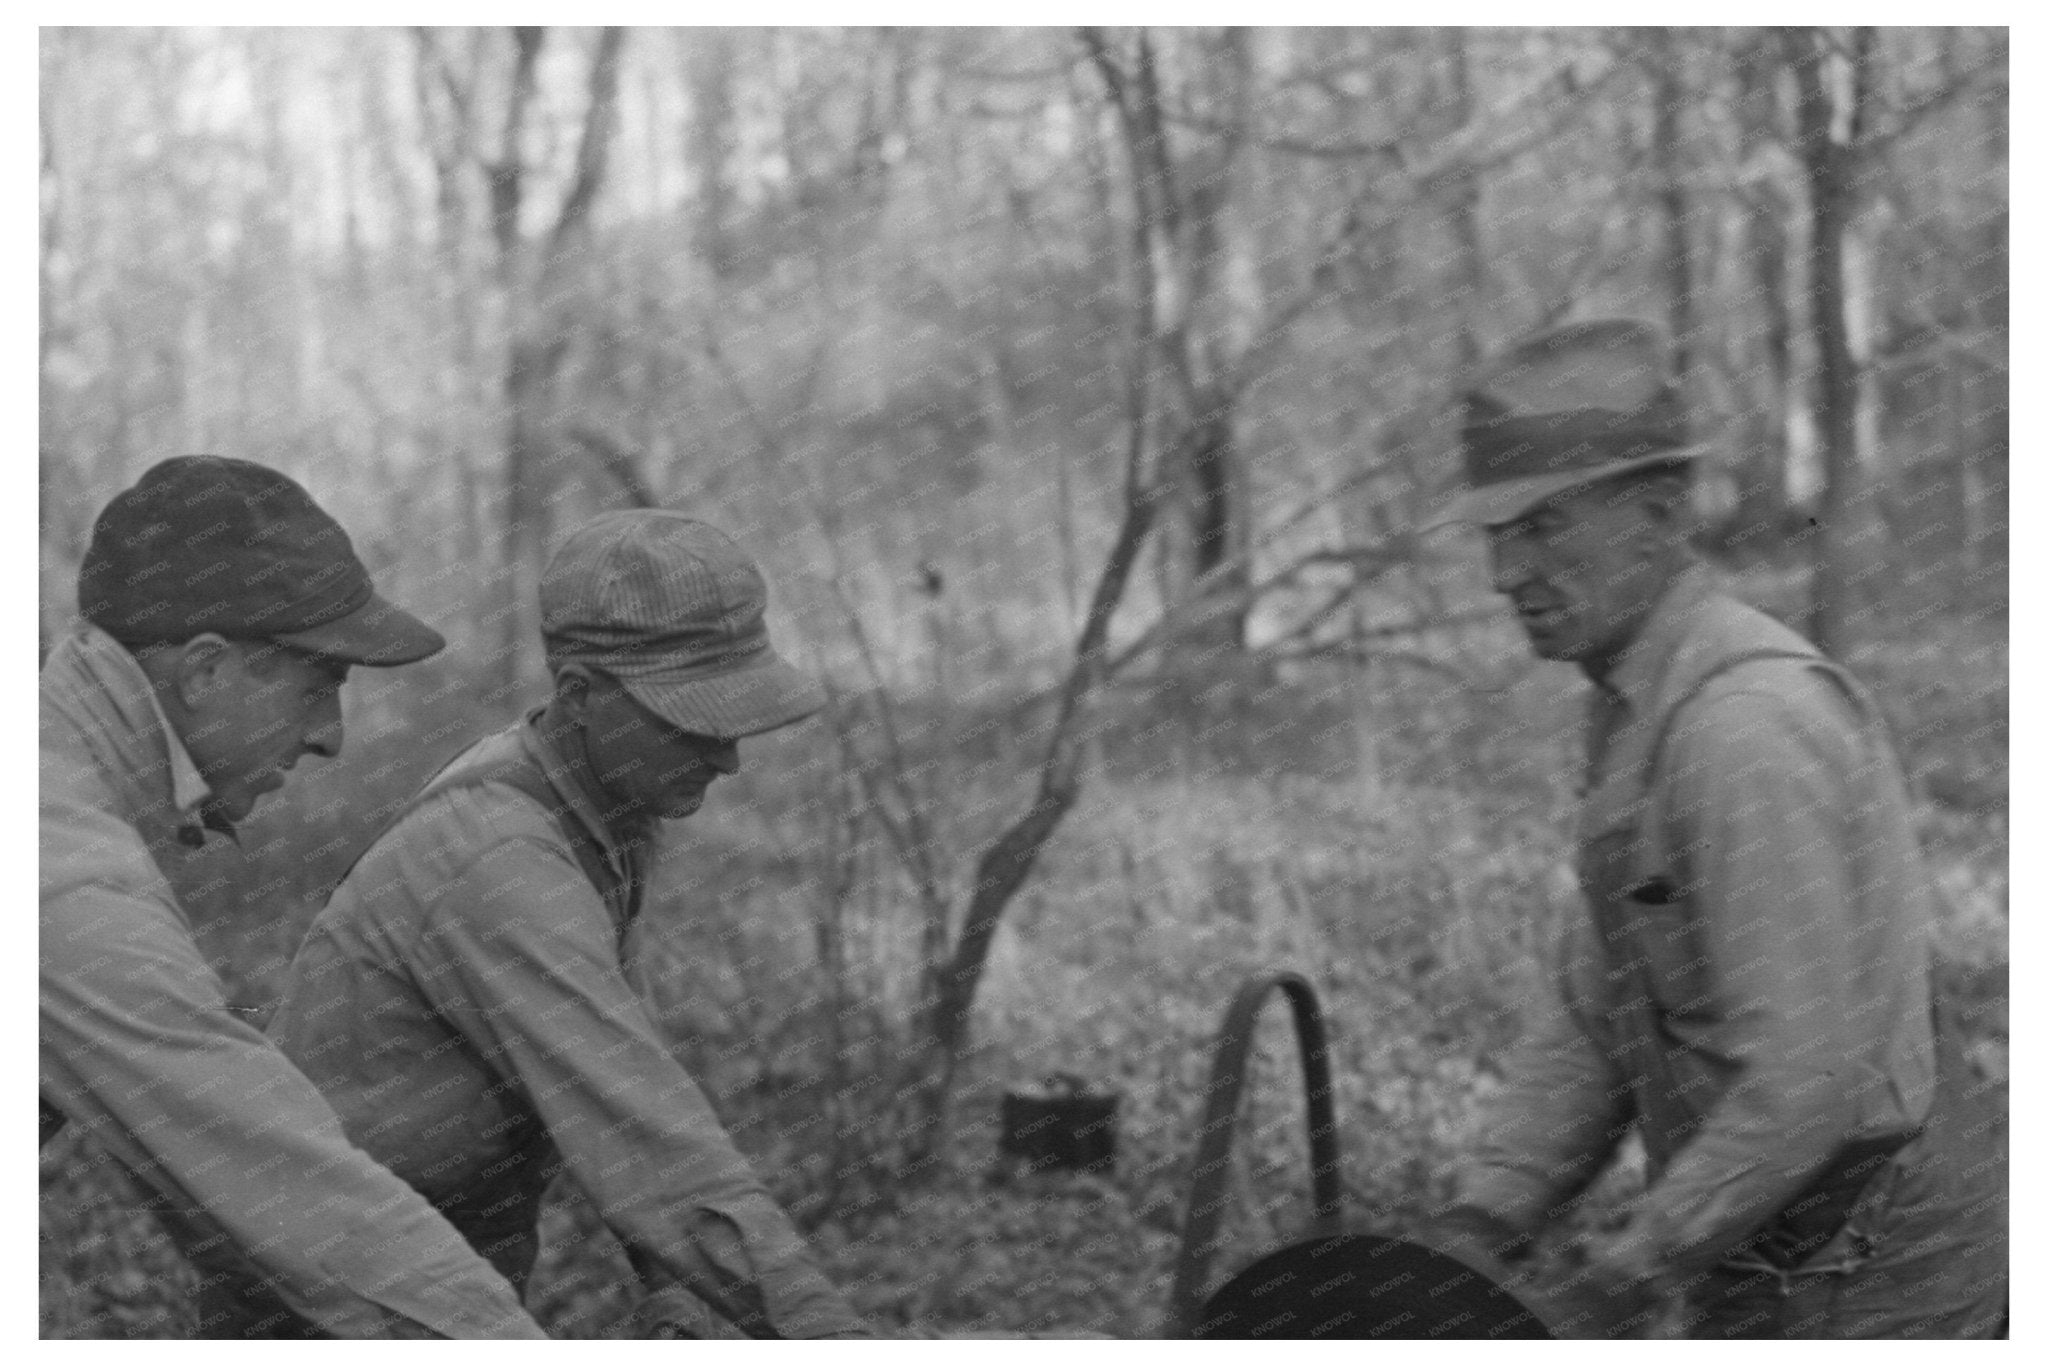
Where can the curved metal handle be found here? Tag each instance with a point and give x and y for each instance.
(1219, 1126)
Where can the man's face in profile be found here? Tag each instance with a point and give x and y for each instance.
(261, 708)
(1574, 570)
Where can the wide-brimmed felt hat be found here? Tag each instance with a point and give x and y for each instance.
(675, 611)
(209, 543)
(1579, 403)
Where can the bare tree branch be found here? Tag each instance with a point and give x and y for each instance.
(1905, 119)
(618, 463)
(505, 173)
(909, 831)
(1006, 864)
(763, 432)
(1539, 116)
(594, 150)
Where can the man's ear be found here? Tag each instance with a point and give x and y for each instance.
(1658, 510)
(199, 667)
(572, 689)
(1671, 508)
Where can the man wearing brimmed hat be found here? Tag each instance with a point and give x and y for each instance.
(222, 610)
(1750, 993)
(462, 1000)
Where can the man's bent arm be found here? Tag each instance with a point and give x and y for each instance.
(140, 1051)
(532, 973)
(1559, 1114)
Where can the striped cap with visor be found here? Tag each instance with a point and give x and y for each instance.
(674, 611)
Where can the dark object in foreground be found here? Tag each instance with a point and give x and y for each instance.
(1358, 1285)
(1060, 1127)
(1202, 1231)
(1331, 1284)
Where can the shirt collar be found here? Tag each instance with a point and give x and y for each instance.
(614, 836)
(1634, 678)
(138, 712)
(189, 791)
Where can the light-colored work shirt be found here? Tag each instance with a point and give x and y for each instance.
(1750, 988)
(139, 1049)
(461, 1001)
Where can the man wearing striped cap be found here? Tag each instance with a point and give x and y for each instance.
(462, 1001)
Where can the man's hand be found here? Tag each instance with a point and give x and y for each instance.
(1617, 1285)
(1620, 1259)
(729, 1280)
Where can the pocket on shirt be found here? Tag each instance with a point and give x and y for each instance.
(1666, 938)
(1646, 926)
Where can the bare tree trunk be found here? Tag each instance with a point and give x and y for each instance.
(505, 180)
(531, 282)
(1760, 323)
(524, 532)
(1771, 390)
(1462, 195)
(1214, 339)
(711, 143)
(1669, 96)
(1183, 225)
(56, 517)
(1829, 115)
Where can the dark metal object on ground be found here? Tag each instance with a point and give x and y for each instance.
(1062, 1126)
(1219, 1127)
(1356, 1285)
(1333, 1284)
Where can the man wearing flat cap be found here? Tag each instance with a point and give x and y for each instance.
(222, 610)
(462, 1000)
(1750, 992)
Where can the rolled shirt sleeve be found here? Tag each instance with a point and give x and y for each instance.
(139, 1049)
(521, 954)
(1756, 803)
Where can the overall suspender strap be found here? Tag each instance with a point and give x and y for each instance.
(1813, 1217)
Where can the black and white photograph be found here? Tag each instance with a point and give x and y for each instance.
(1030, 681)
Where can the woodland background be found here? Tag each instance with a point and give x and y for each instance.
(1081, 392)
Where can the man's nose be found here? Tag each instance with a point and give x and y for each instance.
(724, 757)
(324, 734)
(1508, 561)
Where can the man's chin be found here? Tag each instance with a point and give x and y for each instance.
(238, 804)
(1549, 640)
(1545, 645)
(682, 807)
(224, 813)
